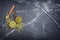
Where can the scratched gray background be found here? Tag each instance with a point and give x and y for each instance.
(41, 19)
